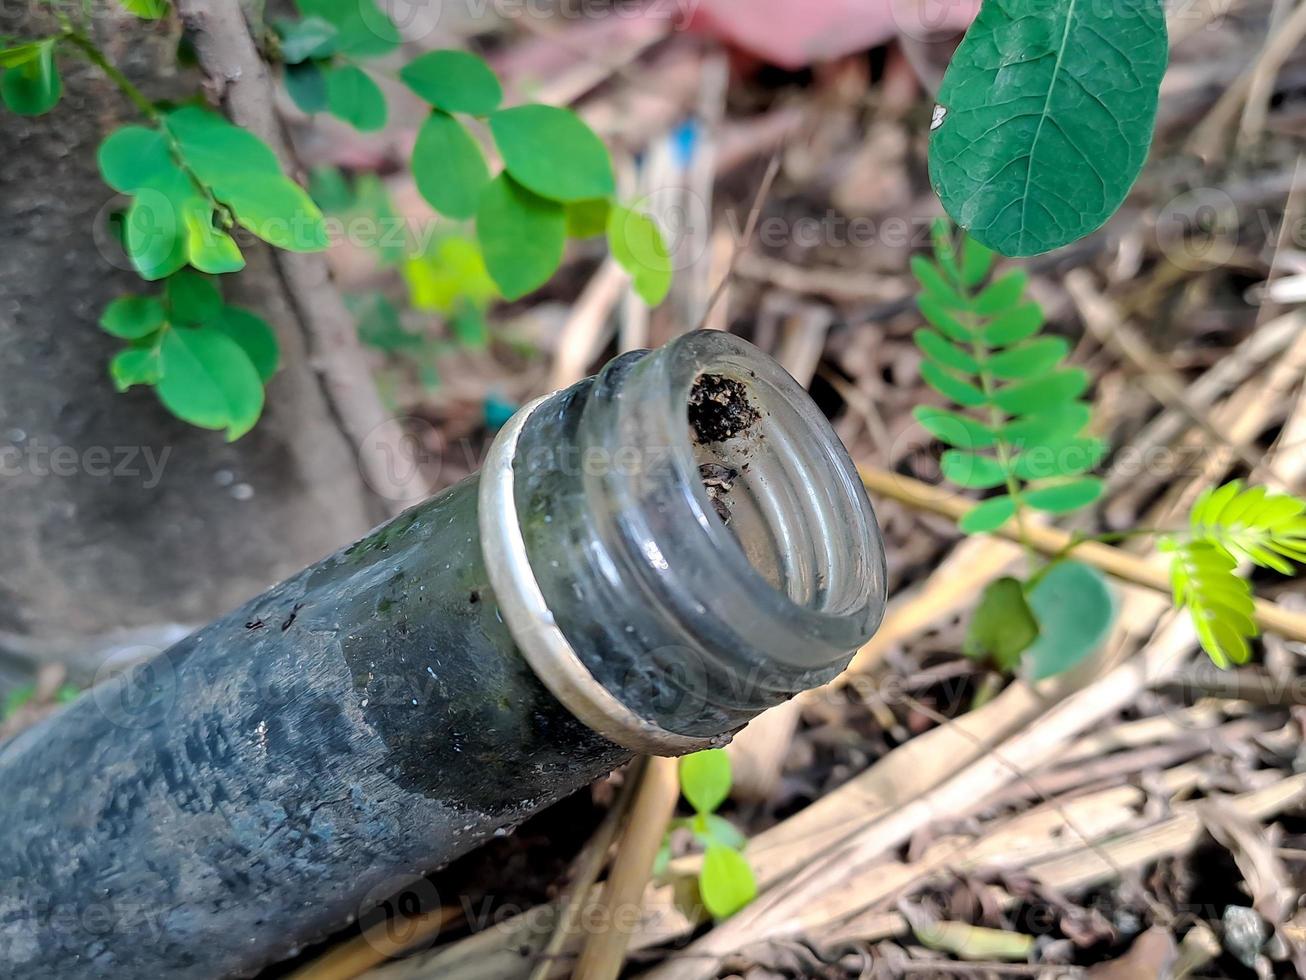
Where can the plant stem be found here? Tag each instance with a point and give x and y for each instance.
(93, 54)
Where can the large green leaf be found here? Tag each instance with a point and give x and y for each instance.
(209, 381)
(355, 98)
(192, 299)
(455, 81)
(521, 235)
(1045, 117)
(448, 166)
(280, 212)
(254, 336)
(33, 86)
(1074, 608)
(551, 152)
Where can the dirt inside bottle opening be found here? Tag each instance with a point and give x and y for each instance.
(720, 410)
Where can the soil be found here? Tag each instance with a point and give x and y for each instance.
(719, 409)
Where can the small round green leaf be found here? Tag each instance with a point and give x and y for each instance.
(192, 299)
(976, 260)
(637, 245)
(1068, 458)
(364, 30)
(307, 84)
(989, 515)
(1028, 360)
(944, 352)
(131, 156)
(1002, 295)
(209, 249)
(253, 335)
(553, 153)
(1002, 626)
(355, 98)
(705, 779)
(133, 317)
(33, 86)
(951, 387)
(947, 319)
(521, 235)
(1075, 608)
(448, 166)
(1014, 325)
(1042, 393)
(135, 366)
(1045, 117)
(455, 81)
(312, 37)
(935, 285)
(726, 882)
(154, 229)
(1055, 424)
(207, 380)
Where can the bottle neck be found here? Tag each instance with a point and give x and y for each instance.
(698, 533)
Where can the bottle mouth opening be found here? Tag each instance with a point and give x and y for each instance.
(778, 498)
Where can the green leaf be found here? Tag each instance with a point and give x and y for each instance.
(725, 882)
(945, 353)
(448, 166)
(455, 81)
(935, 285)
(938, 313)
(1064, 497)
(521, 236)
(972, 470)
(588, 219)
(364, 31)
(1038, 394)
(254, 337)
(1046, 117)
(20, 54)
(209, 249)
(146, 9)
(192, 299)
(135, 366)
(1001, 295)
(1205, 580)
(209, 381)
(1057, 423)
(988, 515)
(355, 98)
(976, 260)
(451, 277)
(379, 325)
(1014, 325)
(33, 86)
(1035, 358)
(637, 245)
(1253, 524)
(1068, 458)
(312, 37)
(1002, 626)
(951, 387)
(280, 212)
(307, 85)
(954, 429)
(1075, 609)
(131, 156)
(552, 152)
(705, 779)
(132, 317)
(154, 229)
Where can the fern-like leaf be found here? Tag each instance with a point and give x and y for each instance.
(1021, 413)
(1229, 525)
(1253, 525)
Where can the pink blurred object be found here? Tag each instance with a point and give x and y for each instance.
(796, 33)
